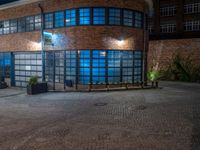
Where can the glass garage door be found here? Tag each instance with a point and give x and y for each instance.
(27, 65)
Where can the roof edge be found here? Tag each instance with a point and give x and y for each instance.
(17, 3)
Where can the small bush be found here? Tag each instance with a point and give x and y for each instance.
(33, 80)
(153, 76)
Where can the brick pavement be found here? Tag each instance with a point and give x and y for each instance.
(161, 119)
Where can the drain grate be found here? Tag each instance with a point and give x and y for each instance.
(100, 104)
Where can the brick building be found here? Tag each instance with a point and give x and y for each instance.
(73, 42)
(174, 28)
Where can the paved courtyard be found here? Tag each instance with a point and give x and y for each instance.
(158, 119)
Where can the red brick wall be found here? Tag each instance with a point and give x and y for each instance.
(80, 37)
(161, 52)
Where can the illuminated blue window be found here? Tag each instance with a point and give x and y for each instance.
(84, 14)
(59, 19)
(84, 75)
(70, 17)
(128, 18)
(48, 18)
(138, 20)
(98, 66)
(114, 16)
(99, 15)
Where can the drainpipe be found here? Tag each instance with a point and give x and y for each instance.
(42, 41)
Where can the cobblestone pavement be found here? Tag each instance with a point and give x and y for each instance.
(157, 119)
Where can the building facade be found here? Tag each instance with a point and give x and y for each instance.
(174, 29)
(74, 43)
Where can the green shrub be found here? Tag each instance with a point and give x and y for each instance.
(33, 80)
(153, 75)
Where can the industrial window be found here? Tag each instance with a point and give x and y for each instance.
(128, 18)
(84, 70)
(168, 11)
(192, 25)
(84, 14)
(13, 26)
(71, 63)
(6, 25)
(98, 66)
(192, 8)
(59, 66)
(99, 16)
(127, 66)
(114, 65)
(1, 27)
(48, 20)
(70, 17)
(137, 66)
(21, 25)
(38, 22)
(138, 20)
(30, 23)
(114, 16)
(168, 27)
(59, 19)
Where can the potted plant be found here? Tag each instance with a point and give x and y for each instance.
(153, 77)
(34, 87)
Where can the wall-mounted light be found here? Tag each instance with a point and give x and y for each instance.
(120, 42)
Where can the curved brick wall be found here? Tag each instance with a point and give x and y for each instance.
(78, 37)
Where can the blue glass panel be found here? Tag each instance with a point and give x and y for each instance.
(59, 19)
(70, 17)
(84, 16)
(99, 16)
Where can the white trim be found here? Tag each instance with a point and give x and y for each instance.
(17, 3)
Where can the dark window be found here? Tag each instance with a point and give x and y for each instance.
(70, 17)
(84, 14)
(99, 16)
(138, 20)
(13, 26)
(48, 21)
(59, 19)
(38, 22)
(128, 18)
(30, 23)
(114, 16)
(21, 25)
(6, 29)
(1, 28)
(114, 70)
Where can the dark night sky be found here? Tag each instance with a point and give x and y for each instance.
(6, 1)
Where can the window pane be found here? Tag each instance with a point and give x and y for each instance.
(13, 26)
(84, 14)
(99, 16)
(59, 19)
(38, 22)
(114, 16)
(70, 17)
(30, 23)
(48, 21)
(128, 18)
(138, 20)
(21, 25)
